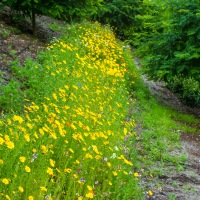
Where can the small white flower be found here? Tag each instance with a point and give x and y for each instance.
(116, 148)
(114, 155)
(105, 159)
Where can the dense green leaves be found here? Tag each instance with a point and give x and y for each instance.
(119, 14)
(31, 8)
(68, 10)
(170, 43)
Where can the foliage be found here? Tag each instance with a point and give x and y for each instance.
(4, 33)
(119, 14)
(72, 140)
(11, 97)
(70, 10)
(30, 8)
(172, 45)
(188, 89)
(76, 10)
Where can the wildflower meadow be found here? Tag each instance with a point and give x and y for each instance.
(72, 139)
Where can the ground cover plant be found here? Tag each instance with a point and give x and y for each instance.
(73, 139)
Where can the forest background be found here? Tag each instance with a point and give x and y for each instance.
(166, 34)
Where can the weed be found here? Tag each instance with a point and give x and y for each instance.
(10, 98)
(174, 184)
(172, 196)
(4, 33)
(15, 30)
(56, 27)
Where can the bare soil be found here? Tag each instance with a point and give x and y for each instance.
(16, 42)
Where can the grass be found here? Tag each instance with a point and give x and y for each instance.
(158, 131)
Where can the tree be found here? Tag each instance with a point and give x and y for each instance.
(32, 7)
(171, 46)
(120, 14)
(67, 10)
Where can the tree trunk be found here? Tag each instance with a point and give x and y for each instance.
(33, 20)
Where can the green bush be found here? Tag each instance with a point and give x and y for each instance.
(119, 14)
(170, 45)
(188, 89)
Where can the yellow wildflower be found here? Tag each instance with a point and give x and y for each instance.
(128, 162)
(10, 144)
(136, 174)
(21, 189)
(55, 96)
(84, 149)
(30, 198)
(67, 170)
(27, 137)
(75, 176)
(43, 188)
(44, 149)
(1, 140)
(27, 169)
(88, 156)
(125, 172)
(150, 192)
(77, 162)
(97, 157)
(90, 195)
(71, 150)
(89, 187)
(95, 149)
(22, 158)
(50, 171)
(41, 131)
(114, 173)
(29, 125)
(52, 162)
(18, 118)
(7, 197)
(5, 181)
(7, 138)
(34, 150)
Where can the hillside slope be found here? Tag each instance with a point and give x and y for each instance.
(154, 162)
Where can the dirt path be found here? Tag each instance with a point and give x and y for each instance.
(184, 185)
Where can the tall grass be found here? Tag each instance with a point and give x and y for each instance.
(73, 138)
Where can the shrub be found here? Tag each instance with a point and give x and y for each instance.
(188, 89)
(172, 46)
(119, 14)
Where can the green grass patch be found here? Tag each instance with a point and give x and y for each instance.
(157, 132)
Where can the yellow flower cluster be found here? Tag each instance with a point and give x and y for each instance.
(72, 139)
